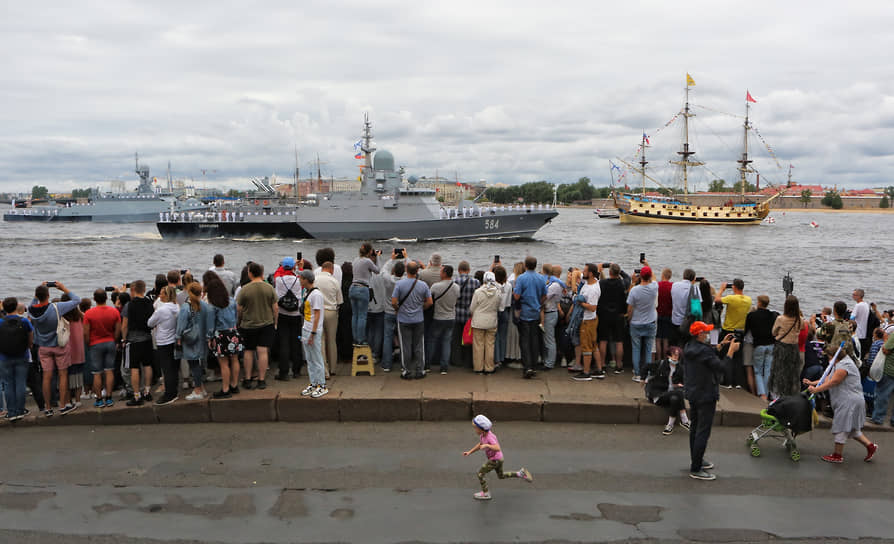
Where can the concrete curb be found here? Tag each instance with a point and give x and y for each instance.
(457, 398)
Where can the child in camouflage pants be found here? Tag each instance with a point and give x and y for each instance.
(488, 442)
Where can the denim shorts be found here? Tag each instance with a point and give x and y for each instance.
(101, 357)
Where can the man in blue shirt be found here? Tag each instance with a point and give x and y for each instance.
(530, 293)
(15, 344)
(409, 299)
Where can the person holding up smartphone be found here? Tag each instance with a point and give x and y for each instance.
(363, 267)
(702, 365)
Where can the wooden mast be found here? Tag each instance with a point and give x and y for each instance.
(744, 161)
(684, 161)
(643, 162)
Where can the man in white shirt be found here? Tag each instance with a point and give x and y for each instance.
(326, 283)
(680, 297)
(860, 317)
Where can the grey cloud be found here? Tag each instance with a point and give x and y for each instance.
(510, 92)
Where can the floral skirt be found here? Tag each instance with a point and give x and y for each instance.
(228, 342)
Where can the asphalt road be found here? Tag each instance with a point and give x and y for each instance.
(400, 482)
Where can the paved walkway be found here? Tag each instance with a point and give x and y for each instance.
(504, 396)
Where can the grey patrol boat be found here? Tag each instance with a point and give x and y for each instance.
(383, 208)
(142, 206)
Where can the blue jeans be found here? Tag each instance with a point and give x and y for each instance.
(437, 343)
(14, 373)
(762, 360)
(359, 297)
(883, 391)
(375, 329)
(197, 371)
(500, 340)
(101, 357)
(549, 338)
(313, 354)
(388, 340)
(642, 338)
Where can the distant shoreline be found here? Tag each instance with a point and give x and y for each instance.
(830, 210)
(778, 210)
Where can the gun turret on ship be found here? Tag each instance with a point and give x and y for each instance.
(384, 207)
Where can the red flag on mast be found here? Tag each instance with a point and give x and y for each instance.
(749, 98)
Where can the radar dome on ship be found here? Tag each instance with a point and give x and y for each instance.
(383, 160)
(413, 180)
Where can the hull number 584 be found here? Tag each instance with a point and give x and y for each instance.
(491, 224)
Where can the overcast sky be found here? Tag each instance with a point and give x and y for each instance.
(506, 91)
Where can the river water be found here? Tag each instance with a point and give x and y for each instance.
(846, 251)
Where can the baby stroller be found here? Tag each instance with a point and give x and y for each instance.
(784, 419)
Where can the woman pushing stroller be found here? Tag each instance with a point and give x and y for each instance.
(663, 383)
(846, 393)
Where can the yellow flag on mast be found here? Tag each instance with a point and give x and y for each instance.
(689, 81)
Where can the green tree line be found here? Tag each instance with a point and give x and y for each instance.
(541, 192)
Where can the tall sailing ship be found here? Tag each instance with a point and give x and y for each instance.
(642, 208)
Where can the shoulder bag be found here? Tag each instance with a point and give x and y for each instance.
(63, 329)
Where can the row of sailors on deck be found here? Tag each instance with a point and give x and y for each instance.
(479, 211)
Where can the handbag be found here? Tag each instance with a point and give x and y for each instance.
(63, 329)
(693, 312)
(877, 370)
(467, 333)
(190, 334)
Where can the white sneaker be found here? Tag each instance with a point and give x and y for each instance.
(319, 392)
(86, 396)
(195, 396)
(308, 390)
(482, 496)
(637, 379)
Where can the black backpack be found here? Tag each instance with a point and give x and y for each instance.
(289, 302)
(13, 337)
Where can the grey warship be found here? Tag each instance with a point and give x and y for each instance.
(145, 205)
(383, 209)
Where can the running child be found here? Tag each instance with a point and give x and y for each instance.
(488, 442)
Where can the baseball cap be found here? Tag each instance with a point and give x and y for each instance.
(307, 275)
(645, 273)
(699, 327)
(482, 422)
(288, 263)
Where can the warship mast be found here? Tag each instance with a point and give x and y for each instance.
(684, 161)
(367, 149)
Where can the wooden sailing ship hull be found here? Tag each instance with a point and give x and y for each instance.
(649, 212)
